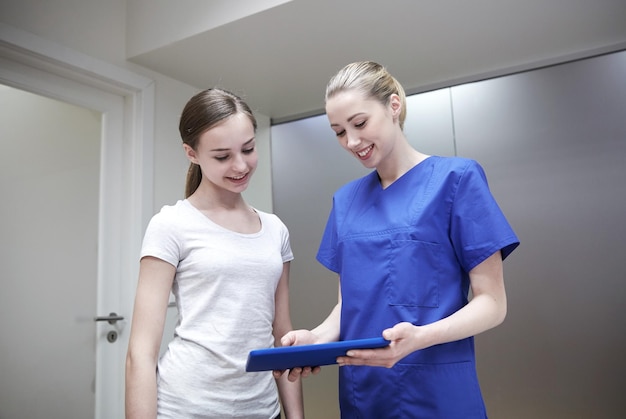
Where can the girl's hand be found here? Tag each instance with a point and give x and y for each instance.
(295, 338)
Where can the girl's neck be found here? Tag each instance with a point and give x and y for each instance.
(211, 199)
(228, 210)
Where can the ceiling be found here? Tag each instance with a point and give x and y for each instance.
(280, 59)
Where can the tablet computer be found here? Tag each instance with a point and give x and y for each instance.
(286, 357)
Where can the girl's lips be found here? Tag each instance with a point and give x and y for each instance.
(238, 179)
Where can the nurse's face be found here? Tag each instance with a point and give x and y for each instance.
(226, 154)
(365, 127)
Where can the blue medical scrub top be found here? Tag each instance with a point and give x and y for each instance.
(403, 254)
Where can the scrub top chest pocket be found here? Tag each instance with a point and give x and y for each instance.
(403, 271)
(413, 273)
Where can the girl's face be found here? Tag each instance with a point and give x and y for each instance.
(226, 154)
(365, 127)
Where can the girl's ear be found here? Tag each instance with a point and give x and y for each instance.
(190, 153)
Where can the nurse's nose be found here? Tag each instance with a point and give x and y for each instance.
(352, 141)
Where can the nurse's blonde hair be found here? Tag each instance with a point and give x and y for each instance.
(370, 78)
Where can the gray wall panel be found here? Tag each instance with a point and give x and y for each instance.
(553, 143)
(428, 125)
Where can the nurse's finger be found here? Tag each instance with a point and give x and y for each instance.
(346, 360)
(372, 357)
(371, 354)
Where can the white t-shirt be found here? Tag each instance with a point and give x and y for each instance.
(224, 287)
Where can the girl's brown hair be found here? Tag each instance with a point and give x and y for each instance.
(202, 112)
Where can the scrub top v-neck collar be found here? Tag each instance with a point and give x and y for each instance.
(402, 176)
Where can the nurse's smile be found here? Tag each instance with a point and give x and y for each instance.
(364, 154)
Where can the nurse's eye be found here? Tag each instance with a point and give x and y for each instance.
(248, 150)
(341, 133)
(360, 124)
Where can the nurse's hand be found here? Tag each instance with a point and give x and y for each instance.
(404, 339)
(294, 338)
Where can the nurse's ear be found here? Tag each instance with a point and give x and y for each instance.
(395, 106)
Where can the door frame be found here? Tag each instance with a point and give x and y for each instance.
(126, 101)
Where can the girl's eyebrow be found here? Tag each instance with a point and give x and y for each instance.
(349, 119)
(227, 149)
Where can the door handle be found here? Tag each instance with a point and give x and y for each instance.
(112, 318)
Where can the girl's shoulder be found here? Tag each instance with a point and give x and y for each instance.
(270, 219)
(174, 216)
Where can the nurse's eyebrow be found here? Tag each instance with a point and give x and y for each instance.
(349, 119)
(226, 149)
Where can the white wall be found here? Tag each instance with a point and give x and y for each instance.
(98, 29)
(152, 27)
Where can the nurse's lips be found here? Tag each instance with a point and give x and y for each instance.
(363, 154)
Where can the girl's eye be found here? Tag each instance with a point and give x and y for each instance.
(221, 158)
(248, 150)
(360, 124)
(341, 133)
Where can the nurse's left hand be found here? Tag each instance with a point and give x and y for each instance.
(404, 339)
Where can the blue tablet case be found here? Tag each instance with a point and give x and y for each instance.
(287, 357)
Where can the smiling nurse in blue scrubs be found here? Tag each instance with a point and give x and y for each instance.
(408, 241)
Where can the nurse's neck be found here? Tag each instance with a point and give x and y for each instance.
(402, 160)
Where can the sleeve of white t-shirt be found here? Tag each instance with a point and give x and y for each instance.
(285, 251)
(160, 240)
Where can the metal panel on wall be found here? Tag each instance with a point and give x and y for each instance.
(553, 144)
(428, 124)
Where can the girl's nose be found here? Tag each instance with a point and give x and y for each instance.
(239, 163)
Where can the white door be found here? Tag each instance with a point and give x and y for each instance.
(48, 269)
(49, 184)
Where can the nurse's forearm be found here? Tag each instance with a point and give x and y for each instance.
(481, 314)
(486, 310)
(328, 330)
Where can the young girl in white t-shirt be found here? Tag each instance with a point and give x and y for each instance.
(227, 264)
